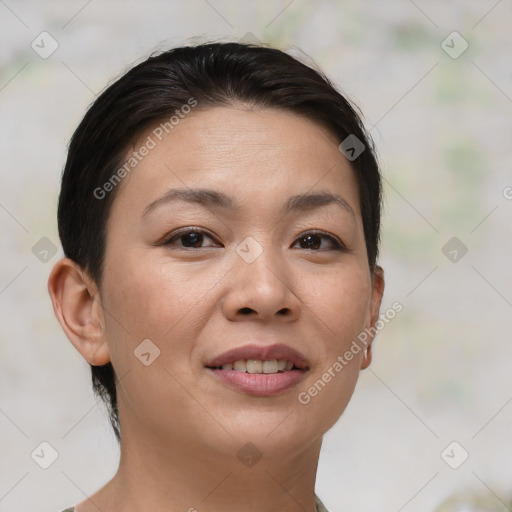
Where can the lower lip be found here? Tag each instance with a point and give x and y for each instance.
(259, 384)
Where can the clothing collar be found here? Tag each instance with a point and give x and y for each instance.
(320, 507)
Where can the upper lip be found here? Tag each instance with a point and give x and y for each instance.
(261, 353)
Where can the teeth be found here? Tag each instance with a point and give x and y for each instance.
(239, 366)
(270, 366)
(256, 366)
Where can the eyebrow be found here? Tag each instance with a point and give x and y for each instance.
(215, 199)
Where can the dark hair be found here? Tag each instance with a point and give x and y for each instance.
(152, 91)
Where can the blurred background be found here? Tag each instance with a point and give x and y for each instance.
(428, 428)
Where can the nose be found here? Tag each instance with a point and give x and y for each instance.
(261, 290)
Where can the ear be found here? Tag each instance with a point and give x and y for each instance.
(375, 301)
(77, 306)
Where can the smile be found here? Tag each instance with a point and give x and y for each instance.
(259, 370)
(259, 384)
(256, 366)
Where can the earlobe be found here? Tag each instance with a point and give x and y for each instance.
(367, 357)
(76, 303)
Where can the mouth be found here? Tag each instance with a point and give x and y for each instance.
(255, 366)
(260, 370)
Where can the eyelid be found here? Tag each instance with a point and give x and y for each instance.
(167, 239)
(336, 241)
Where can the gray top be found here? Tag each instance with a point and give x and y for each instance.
(319, 506)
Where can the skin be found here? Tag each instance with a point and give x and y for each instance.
(181, 428)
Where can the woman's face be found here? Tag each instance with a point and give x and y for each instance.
(266, 266)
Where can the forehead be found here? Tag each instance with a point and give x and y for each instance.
(268, 154)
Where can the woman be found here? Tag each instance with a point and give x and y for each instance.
(219, 214)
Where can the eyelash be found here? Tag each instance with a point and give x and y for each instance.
(337, 245)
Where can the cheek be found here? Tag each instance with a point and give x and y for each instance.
(341, 308)
(139, 290)
(325, 398)
(148, 298)
(340, 302)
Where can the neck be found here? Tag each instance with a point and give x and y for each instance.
(190, 477)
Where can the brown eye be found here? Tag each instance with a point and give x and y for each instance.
(190, 239)
(313, 241)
